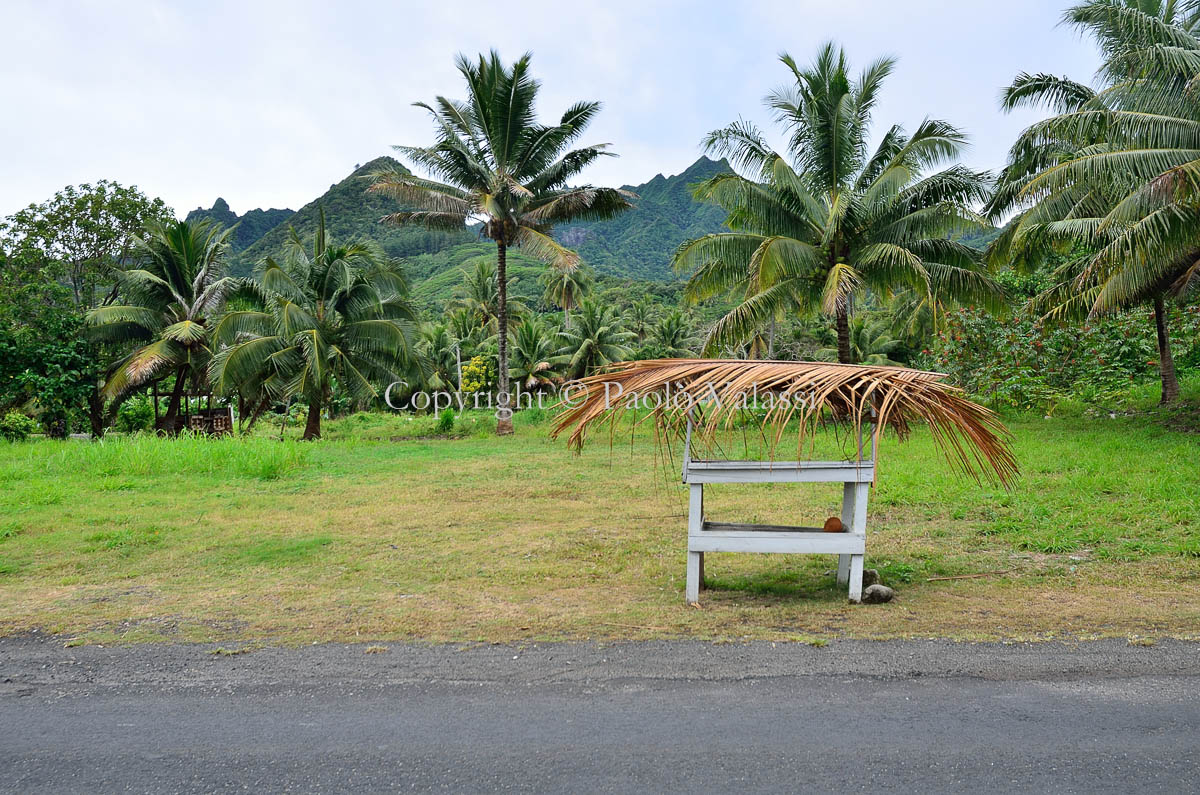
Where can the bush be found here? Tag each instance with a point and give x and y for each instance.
(1020, 364)
(445, 422)
(16, 427)
(135, 414)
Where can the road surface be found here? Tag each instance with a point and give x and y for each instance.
(638, 717)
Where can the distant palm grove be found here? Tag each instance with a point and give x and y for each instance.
(481, 261)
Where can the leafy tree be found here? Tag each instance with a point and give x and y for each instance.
(565, 289)
(596, 340)
(339, 313)
(76, 239)
(85, 232)
(830, 218)
(178, 288)
(1111, 179)
(500, 166)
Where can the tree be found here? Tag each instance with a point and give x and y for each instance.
(870, 343)
(170, 298)
(536, 363)
(78, 239)
(596, 340)
(500, 166)
(565, 289)
(640, 317)
(1111, 179)
(85, 231)
(830, 218)
(672, 335)
(339, 313)
(479, 294)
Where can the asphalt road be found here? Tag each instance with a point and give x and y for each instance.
(661, 717)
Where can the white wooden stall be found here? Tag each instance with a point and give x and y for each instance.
(850, 546)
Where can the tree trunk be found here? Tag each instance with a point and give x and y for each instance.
(312, 427)
(504, 424)
(843, 334)
(96, 413)
(771, 339)
(259, 408)
(168, 421)
(1166, 362)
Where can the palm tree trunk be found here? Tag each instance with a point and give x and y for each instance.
(1166, 362)
(843, 333)
(771, 339)
(169, 419)
(312, 426)
(504, 424)
(96, 413)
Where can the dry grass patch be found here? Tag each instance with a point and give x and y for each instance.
(482, 539)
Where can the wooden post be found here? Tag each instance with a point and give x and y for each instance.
(858, 527)
(843, 574)
(695, 563)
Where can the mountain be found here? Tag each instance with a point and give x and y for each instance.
(640, 242)
(251, 226)
(351, 213)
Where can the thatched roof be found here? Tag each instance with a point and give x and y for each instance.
(971, 436)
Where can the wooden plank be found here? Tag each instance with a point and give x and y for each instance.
(759, 472)
(767, 541)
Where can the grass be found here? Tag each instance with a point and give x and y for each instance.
(472, 538)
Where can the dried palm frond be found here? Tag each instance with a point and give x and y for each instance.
(715, 391)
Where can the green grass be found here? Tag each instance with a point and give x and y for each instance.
(381, 533)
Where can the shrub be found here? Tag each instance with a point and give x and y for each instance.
(445, 422)
(135, 414)
(16, 427)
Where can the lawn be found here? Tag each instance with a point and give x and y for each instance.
(372, 535)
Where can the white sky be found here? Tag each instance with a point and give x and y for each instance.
(268, 103)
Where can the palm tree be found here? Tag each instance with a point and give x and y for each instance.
(596, 340)
(1111, 179)
(498, 165)
(441, 350)
(169, 300)
(830, 218)
(479, 294)
(339, 313)
(565, 289)
(870, 342)
(640, 317)
(536, 363)
(672, 336)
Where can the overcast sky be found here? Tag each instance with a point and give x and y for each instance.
(268, 103)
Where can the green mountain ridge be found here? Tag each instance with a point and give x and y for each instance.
(640, 243)
(351, 214)
(250, 227)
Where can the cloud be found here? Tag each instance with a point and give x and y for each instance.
(267, 104)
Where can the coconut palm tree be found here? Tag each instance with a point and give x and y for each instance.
(169, 299)
(536, 364)
(494, 163)
(1110, 180)
(672, 336)
(565, 289)
(479, 294)
(871, 343)
(596, 340)
(329, 313)
(640, 317)
(831, 218)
